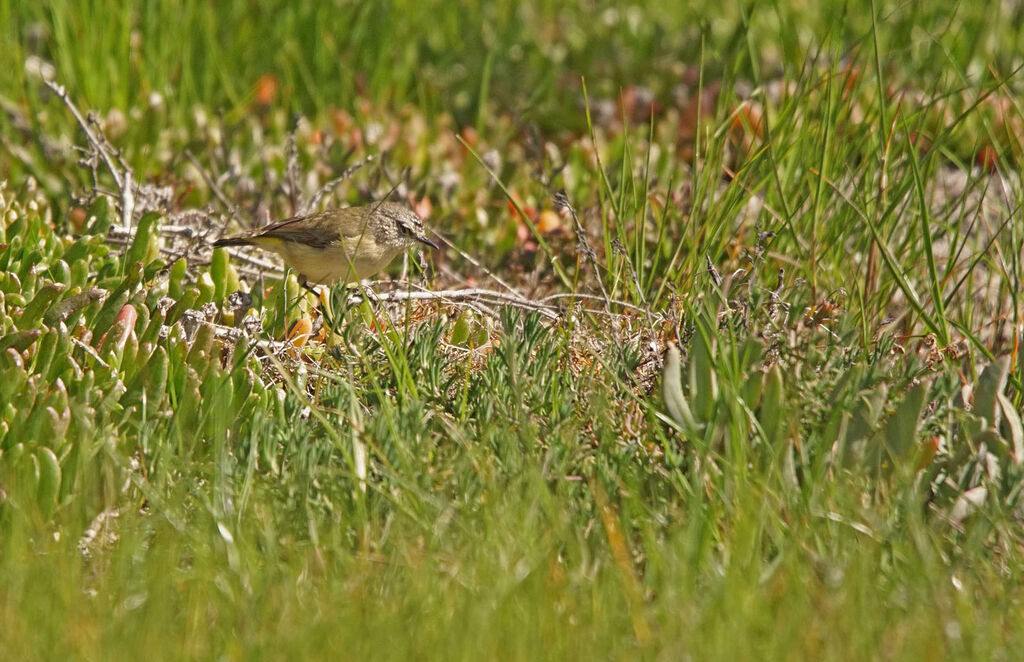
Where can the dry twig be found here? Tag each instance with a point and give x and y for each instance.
(122, 174)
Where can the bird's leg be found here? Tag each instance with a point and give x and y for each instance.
(322, 298)
(305, 283)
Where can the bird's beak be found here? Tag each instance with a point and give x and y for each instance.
(424, 239)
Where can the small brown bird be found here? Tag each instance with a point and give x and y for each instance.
(339, 245)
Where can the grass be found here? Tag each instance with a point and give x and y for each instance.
(818, 207)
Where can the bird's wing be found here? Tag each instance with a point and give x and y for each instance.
(313, 230)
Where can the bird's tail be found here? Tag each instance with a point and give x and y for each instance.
(233, 241)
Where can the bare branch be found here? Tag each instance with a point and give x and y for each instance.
(478, 296)
(465, 256)
(99, 145)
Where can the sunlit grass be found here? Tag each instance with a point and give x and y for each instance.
(474, 483)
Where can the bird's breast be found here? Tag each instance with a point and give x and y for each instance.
(346, 260)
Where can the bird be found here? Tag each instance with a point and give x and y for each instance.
(339, 245)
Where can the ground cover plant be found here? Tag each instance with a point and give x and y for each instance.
(719, 358)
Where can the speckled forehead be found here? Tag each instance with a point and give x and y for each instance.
(402, 215)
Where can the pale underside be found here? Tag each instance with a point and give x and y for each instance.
(332, 263)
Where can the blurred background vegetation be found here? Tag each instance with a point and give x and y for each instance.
(471, 60)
